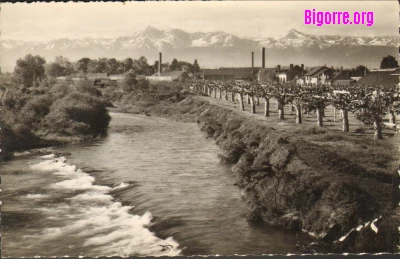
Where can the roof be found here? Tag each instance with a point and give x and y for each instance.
(216, 72)
(320, 72)
(396, 72)
(244, 72)
(382, 77)
(316, 71)
(240, 72)
(283, 69)
(343, 75)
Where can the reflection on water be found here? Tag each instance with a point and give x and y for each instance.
(152, 187)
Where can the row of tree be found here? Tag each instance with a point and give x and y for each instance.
(369, 104)
(31, 70)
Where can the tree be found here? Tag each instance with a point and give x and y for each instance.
(174, 65)
(82, 65)
(112, 65)
(266, 78)
(373, 105)
(60, 67)
(360, 69)
(345, 99)
(266, 93)
(30, 70)
(282, 93)
(120, 67)
(196, 67)
(155, 67)
(317, 98)
(141, 67)
(101, 66)
(128, 64)
(299, 96)
(389, 62)
(92, 66)
(143, 84)
(129, 81)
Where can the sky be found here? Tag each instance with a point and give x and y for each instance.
(253, 19)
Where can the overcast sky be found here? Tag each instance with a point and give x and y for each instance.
(46, 21)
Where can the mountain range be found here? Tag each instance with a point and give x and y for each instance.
(213, 49)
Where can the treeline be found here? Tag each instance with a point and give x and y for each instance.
(31, 70)
(37, 111)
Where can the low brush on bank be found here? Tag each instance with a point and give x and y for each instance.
(318, 180)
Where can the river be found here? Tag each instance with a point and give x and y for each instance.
(153, 186)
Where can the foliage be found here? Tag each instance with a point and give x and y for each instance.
(85, 86)
(389, 62)
(266, 76)
(82, 65)
(30, 70)
(78, 114)
(130, 81)
(35, 109)
(60, 67)
(142, 84)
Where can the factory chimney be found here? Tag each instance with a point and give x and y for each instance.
(263, 57)
(252, 60)
(159, 65)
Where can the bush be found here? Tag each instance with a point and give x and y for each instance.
(78, 114)
(86, 87)
(35, 109)
(15, 99)
(60, 90)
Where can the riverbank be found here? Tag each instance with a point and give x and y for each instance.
(48, 116)
(335, 186)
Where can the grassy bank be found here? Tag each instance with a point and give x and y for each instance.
(317, 180)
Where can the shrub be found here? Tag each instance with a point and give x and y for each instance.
(86, 87)
(60, 90)
(35, 109)
(78, 113)
(15, 99)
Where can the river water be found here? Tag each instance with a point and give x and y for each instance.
(151, 187)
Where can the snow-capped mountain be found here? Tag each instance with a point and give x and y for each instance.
(294, 38)
(212, 49)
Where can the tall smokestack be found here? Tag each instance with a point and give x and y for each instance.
(302, 69)
(159, 65)
(252, 59)
(263, 57)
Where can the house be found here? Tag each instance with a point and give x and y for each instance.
(317, 75)
(389, 76)
(287, 74)
(169, 76)
(243, 73)
(347, 77)
(215, 74)
(227, 73)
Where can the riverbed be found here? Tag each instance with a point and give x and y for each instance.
(152, 187)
